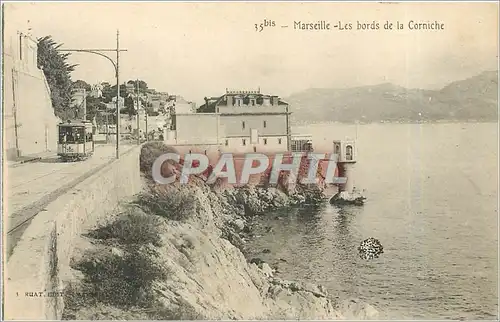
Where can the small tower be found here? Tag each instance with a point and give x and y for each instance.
(346, 159)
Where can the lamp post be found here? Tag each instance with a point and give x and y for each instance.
(137, 113)
(288, 132)
(84, 104)
(116, 65)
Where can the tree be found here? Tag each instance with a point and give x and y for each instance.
(58, 74)
(129, 106)
(82, 84)
(143, 86)
(108, 92)
(94, 105)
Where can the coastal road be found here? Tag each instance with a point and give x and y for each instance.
(32, 186)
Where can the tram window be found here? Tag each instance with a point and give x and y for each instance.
(62, 136)
(66, 135)
(79, 135)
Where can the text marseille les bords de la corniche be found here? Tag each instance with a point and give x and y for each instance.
(373, 25)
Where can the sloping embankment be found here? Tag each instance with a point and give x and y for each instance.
(39, 266)
(175, 253)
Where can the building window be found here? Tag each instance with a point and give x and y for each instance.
(227, 142)
(243, 125)
(279, 141)
(265, 124)
(348, 153)
(244, 142)
(265, 141)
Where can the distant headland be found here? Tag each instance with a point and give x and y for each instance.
(474, 99)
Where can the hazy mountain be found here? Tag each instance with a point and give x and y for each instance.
(475, 98)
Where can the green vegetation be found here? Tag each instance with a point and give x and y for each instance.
(58, 74)
(122, 278)
(133, 228)
(149, 153)
(119, 277)
(179, 205)
(121, 281)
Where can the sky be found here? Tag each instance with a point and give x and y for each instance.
(200, 49)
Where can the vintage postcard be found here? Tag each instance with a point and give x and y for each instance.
(250, 160)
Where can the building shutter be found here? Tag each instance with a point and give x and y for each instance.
(254, 139)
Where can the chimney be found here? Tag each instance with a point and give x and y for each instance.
(229, 100)
(206, 103)
(274, 100)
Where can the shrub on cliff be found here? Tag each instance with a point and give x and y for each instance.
(134, 227)
(173, 204)
(121, 281)
(181, 311)
(149, 153)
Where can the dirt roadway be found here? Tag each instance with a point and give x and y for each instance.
(31, 186)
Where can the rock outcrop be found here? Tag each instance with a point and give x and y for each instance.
(346, 198)
(177, 253)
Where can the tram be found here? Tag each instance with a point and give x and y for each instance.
(76, 140)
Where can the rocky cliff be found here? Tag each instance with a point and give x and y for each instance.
(176, 252)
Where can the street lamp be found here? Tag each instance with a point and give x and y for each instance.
(116, 65)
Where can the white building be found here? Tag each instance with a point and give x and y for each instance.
(30, 125)
(184, 107)
(237, 121)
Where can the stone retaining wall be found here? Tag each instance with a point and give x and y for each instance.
(42, 256)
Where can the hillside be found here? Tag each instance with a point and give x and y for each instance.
(475, 98)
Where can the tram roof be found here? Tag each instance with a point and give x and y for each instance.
(75, 123)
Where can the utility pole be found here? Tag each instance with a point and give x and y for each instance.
(14, 103)
(137, 112)
(288, 134)
(107, 127)
(99, 51)
(84, 105)
(117, 94)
